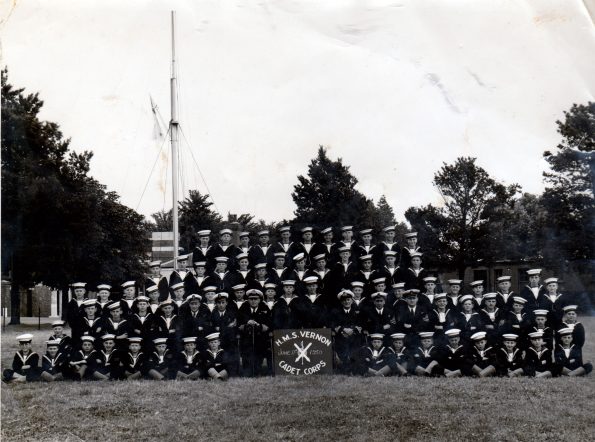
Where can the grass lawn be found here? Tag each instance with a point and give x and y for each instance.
(288, 408)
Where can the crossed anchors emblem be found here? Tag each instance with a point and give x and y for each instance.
(302, 352)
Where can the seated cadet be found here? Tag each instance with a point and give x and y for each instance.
(505, 295)
(469, 321)
(490, 317)
(538, 359)
(346, 324)
(570, 320)
(160, 364)
(380, 318)
(118, 326)
(481, 359)
(108, 361)
(398, 357)
(312, 306)
(454, 293)
(270, 295)
(89, 323)
(25, 365)
(516, 321)
(53, 363)
(425, 356)
(569, 357)
(82, 362)
(169, 325)
(396, 296)
(133, 363)
(441, 318)
(540, 324)
(412, 319)
(477, 288)
(509, 358)
(189, 361)
(215, 359)
(254, 322)
(372, 360)
(452, 357)
(239, 293)
(285, 313)
(59, 335)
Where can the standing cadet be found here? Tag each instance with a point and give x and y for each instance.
(469, 320)
(103, 299)
(158, 279)
(73, 309)
(242, 274)
(491, 316)
(342, 271)
(270, 295)
(364, 274)
(259, 277)
(203, 249)
(347, 240)
(25, 365)
(53, 363)
(244, 245)
(387, 268)
(262, 252)
(275, 274)
(239, 293)
(254, 323)
(312, 305)
(304, 247)
(118, 326)
(540, 324)
(298, 273)
(365, 247)
(387, 245)
(128, 296)
(285, 312)
(221, 277)
(410, 250)
(454, 294)
(322, 273)
(89, 322)
(533, 291)
(427, 297)
(372, 360)
(570, 320)
(346, 323)
(477, 288)
(516, 321)
(327, 246)
(552, 301)
(413, 275)
(224, 248)
(441, 318)
(505, 295)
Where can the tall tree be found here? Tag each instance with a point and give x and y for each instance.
(57, 222)
(458, 231)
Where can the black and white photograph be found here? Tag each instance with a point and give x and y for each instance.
(296, 220)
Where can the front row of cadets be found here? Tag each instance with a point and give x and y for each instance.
(106, 362)
(477, 360)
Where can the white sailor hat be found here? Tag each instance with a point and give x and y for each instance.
(263, 232)
(288, 282)
(183, 257)
(306, 229)
(565, 331)
(438, 296)
(104, 287)
(430, 279)
(209, 288)
(326, 230)
(166, 302)
(388, 229)
(89, 303)
(221, 259)
(87, 338)
(464, 298)
(108, 337)
(238, 287)
(518, 300)
(199, 263)
(26, 337)
(113, 305)
(159, 341)
(224, 231)
(377, 294)
(389, 253)
(365, 232)
(378, 281)
(135, 340)
(178, 285)
(270, 285)
(151, 289)
(489, 295)
(284, 229)
(455, 281)
(503, 279)
(79, 285)
(203, 233)
(452, 332)
(279, 255)
(242, 255)
(533, 272)
(127, 284)
(243, 234)
(426, 335)
(189, 339)
(375, 336)
(536, 335)
(569, 308)
(299, 257)
(142, 299)
(346, 228)
(476, 283)
(367, 257)
(58, 323)
(193, 296)
(344, 249)
(550, 280)
(260, 265)
(399, 285)
(540, 312)
(319, 257)
(411, 235)
(509, 337)
(345, 294)
(254, 293)
(310, 280)
(478, 336)
(155, 263)
(398, 336)
(416, 255)
(357, 284)
(212, 336)
(53, 343)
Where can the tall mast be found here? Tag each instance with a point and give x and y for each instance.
(174, 138)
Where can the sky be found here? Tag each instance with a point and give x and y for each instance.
(393, 87)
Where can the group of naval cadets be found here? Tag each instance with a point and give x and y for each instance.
(387, 314)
